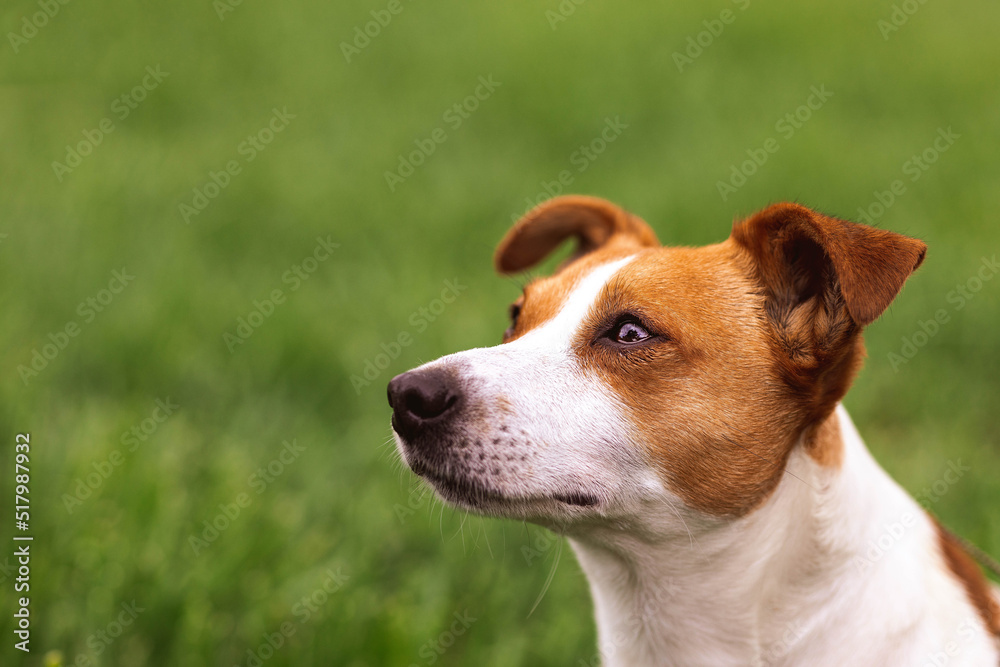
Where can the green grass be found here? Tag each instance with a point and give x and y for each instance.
(336, 505)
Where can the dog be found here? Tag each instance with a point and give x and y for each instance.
(675, 412)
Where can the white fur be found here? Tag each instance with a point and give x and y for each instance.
(795, 582)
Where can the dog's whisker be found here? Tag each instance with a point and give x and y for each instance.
(441, 523)
(486, 537)
(430, 515)
(461, 530)
(475, 540)
(549, 578)
(670, 505)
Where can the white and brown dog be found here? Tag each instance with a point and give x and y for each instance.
(675, 412)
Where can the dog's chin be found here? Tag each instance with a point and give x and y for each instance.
(467, 493)
(479, 495)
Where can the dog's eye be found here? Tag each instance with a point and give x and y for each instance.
(630, 332)
(515, 310)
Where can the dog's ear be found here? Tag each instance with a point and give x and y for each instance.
(593, 221)
(823, 280)
(801, 255)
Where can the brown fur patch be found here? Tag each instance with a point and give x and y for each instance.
(867, 265)
(704, 400)
(544, 297)
(592, 221)
(967, 572)
(825, 444)
(823, 279)
(603, 232)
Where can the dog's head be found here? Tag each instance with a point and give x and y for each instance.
(640, 375)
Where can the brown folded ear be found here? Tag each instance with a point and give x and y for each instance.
(800, 254)
(593, 221)
(823, 279)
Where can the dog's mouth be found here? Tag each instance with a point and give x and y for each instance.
(476, 494)
(460, 490)
(578, 499)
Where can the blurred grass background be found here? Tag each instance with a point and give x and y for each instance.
(340, 505)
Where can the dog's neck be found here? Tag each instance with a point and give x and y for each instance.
(797, 581)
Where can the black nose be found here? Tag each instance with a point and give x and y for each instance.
(421, 398)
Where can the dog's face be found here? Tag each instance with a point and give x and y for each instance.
(640, 378)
